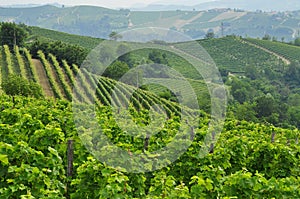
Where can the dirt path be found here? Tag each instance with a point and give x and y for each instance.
(286, 61)
(228, 15)
(44, 82)
(180, 23)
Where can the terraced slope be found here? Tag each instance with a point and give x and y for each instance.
(235, 54)
(287, 51)
(58, 80)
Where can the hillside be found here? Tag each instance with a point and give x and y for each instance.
(289, 52)
(52, 35)
(54, 148)
(234, 54)
(262, 76)
(227, 52)
(100, 22)
(62, 81)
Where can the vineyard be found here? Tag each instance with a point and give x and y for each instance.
(249, 160)
(289, 52)
(60, 79)
(51, 35)
(229, 52)
(40, 137)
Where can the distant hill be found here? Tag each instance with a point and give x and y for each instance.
(100, 22)
(267, 5)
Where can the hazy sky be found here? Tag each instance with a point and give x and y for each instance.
(103, 3)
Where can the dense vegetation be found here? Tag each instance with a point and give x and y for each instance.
(268, 74)
(251, 159)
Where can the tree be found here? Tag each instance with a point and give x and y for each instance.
(16, 85)
(251, 72)
(12, 34)
(297, 41)
(267, 37)
(115, 36)
(292, 73)
(210, 34)
(73, 54)
(116, 70)
(158, 57)
(246, 112)
(265, 106)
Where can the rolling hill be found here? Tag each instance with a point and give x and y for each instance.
(268, 5)
(50, 150)
(100, 22)
(227, 52)
(266, 62)
(68, 82)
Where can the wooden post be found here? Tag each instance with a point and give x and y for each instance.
(70, 158)
(192, 133)
(146, 143)
(273, 137)
(70, 155)
(211, 148)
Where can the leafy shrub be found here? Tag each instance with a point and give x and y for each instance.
(16, 85)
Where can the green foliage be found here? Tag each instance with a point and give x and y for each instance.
(251, 72)
(234, 55)
(114, 36)
(116, 70)
(12, 35)
(210, 35)
(73, 54)
(67, 89)
(267, 37)
(16, 85)
(32, 68)
(245, 162)
(266, 105)
(51, 36)
(245, 111)
(297, 41)
(158, 58)
(9, 63)
(289, 52)
(20, 62)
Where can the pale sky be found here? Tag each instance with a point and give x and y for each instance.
(103, 3)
